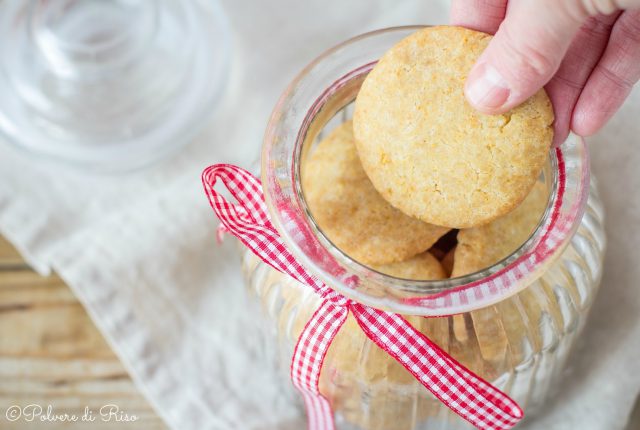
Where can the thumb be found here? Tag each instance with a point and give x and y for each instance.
(524, 54)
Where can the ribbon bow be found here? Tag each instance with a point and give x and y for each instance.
(464, 392)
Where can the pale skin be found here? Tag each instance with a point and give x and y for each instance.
(586, 53)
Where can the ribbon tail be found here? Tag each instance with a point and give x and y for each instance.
(248, 220)
(307, 360)
(464, 392)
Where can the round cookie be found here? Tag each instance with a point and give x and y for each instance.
(422, 267)
(428, 152)
(481, 247)
(351, 213)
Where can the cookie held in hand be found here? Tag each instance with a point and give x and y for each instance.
(428, 152)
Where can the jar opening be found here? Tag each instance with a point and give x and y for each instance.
(322, 97)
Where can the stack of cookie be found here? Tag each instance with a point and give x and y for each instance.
(418, 162)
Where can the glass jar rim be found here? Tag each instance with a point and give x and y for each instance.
(301, 102)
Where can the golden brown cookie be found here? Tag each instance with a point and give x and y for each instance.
(428, 152)
(423, 267)
(481, 247)
(351, 213)
(447, 262)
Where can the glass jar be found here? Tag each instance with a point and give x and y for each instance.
(513, 323)
(109, 85)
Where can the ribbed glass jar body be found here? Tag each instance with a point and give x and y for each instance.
(519, 344)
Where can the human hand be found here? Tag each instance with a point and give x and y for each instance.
(586, 52)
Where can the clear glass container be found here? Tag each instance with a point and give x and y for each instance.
(513, 323)
(109, 85)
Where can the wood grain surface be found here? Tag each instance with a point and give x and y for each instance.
(51, 353)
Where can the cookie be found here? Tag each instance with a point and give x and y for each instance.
(428, 152)
(481, 247)
(421, 267)
(351, 213)
(447, 262)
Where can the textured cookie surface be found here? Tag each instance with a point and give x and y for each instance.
(421, 267)
(481, 247)
(428, 152)
(351, 213)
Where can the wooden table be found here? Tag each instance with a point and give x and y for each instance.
(51, 353)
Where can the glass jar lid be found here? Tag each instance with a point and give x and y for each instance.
(109, 84)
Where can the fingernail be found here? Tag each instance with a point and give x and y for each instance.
(486, 88)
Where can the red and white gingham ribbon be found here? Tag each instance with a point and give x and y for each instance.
(468, 395)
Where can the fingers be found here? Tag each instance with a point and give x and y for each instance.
(481, 15)
(606, 7)
(583, 55)
(613, 77)
(524, 54)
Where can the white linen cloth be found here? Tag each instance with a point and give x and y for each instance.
(139, 250)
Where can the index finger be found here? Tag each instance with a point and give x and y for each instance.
(481, 15)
